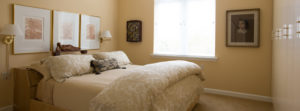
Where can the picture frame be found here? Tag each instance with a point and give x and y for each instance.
(35, 23)
(65, 28)
(134, 31)
(89, 32)
(243, 28)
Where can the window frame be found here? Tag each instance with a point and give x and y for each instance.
(183, 56)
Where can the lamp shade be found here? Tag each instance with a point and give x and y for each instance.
(11, 29)
(106, 34)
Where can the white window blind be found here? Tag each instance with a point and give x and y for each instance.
(184, 27)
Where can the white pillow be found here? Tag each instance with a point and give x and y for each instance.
(120, 56)
(65, 66)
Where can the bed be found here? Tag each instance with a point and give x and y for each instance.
(75, 94)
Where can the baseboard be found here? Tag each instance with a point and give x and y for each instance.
(238, 95)
(7, 108)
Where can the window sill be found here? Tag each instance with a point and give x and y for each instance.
(198, 58)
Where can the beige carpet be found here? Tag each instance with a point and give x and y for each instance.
(211, 102)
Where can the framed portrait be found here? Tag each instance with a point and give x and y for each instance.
(243, 28)
(65, 28)
(134, 31)
(35, 23)
(90, 29)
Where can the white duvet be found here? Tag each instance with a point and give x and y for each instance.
(136, 91)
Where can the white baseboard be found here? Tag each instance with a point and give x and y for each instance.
(7, 108)
(238, 94)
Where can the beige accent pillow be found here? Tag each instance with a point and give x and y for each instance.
(65, 66)
(120, 56)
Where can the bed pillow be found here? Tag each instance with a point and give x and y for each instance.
(104, 65)
(65, 66)
(120, 56)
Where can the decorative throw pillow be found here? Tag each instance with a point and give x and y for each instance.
(120, 56)
(65, 66)
(104, 65)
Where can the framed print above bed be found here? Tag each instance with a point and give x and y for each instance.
(90, 29)
(65, 28)
(35, 23)
(243, 28)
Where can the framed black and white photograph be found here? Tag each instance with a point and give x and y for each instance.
(65, 28)
(35, 23)
(243, 28)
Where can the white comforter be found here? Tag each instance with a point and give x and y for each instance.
(136, 91)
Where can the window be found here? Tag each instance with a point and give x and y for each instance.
(184, 28)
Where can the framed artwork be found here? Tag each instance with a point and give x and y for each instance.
(243, 28)
(65, 28)
(134, 31)
(90, 29)
(35, 23)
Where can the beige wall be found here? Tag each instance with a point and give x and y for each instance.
(106, 9)
(246, 70)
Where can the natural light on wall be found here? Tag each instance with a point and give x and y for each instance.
(184, 28)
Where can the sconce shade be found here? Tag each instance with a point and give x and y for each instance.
(11, 29)
(106, 34)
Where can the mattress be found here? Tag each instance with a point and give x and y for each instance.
(76, 92)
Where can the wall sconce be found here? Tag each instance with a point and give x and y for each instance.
(106, 35)
(10, 30)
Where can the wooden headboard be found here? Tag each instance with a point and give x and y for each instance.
(25, 87)
(26, 82)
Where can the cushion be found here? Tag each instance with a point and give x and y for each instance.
(120, 56)
(104, 65)
(65, 66)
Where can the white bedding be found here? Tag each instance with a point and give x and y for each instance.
(76, 93)
(138, 89)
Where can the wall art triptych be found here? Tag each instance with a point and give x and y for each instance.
(35, 23)
(65, 28)
(90, 31)
(44, 28)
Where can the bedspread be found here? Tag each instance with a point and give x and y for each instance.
(136, 91)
